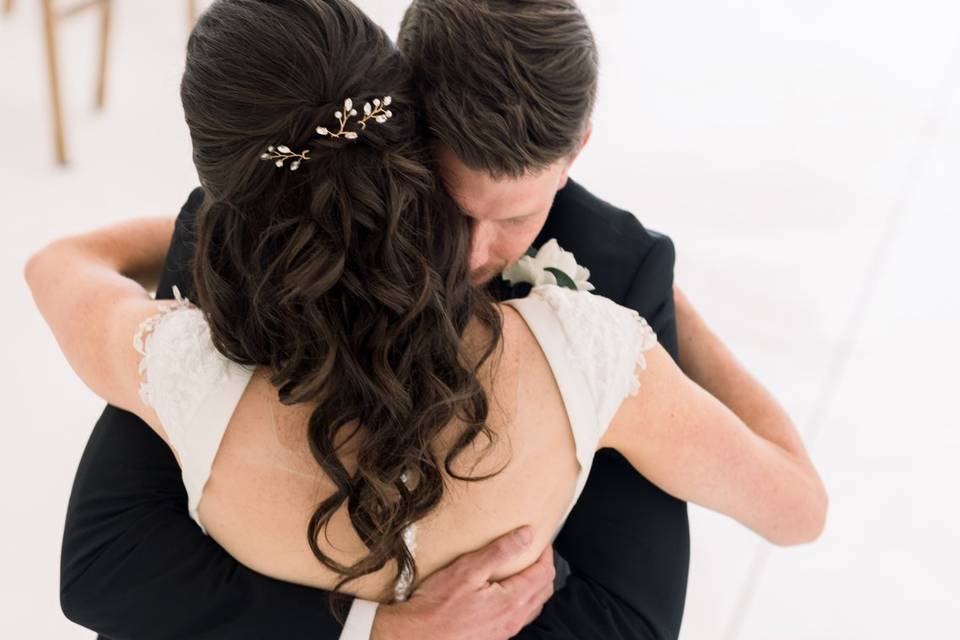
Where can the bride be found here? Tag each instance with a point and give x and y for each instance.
(348, 410)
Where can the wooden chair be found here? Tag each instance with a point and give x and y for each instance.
(53, 16)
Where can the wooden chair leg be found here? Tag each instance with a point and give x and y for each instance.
(106, 14)
(50, 34)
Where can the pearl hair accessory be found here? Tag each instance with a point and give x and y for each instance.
(376, 111)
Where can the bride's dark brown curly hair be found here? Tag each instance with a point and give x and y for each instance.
(347, 278)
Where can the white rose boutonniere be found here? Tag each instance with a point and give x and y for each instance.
(550, 265)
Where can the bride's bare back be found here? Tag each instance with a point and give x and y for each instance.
(265, 484)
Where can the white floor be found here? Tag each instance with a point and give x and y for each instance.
(805, 156)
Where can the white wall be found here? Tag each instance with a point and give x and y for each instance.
(805, 157)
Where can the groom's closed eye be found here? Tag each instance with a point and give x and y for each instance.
(528, 217)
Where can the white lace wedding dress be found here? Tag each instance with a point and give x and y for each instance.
(592, 344)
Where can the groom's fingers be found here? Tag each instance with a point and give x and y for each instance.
(533, 579)
(460, 602)
(475, 568)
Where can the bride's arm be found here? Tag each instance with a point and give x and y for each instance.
(719, 439)
(91, 290)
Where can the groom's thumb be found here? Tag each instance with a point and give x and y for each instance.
(479, 565)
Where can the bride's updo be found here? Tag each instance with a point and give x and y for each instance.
(348, 277)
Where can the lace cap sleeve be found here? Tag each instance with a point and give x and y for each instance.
(607, 340)
(179, 364)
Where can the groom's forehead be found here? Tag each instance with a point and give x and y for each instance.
(483, 196)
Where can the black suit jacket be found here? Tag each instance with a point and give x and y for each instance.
(134, 565)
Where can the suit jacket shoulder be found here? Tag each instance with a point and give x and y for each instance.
(628, 263)
(609, 241)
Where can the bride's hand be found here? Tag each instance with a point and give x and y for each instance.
(459, 602)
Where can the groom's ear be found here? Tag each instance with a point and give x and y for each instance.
(565, 176)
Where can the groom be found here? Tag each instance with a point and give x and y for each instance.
(508, 87)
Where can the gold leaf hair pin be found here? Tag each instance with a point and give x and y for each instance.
(376, 111)
(283, 153)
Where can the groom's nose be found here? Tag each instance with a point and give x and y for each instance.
(480, 239)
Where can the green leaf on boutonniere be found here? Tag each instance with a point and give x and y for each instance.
(532, 252)
(563, 280)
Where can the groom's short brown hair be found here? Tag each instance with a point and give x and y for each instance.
(508, 85)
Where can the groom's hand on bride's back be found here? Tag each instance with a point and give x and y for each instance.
(460, 601)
